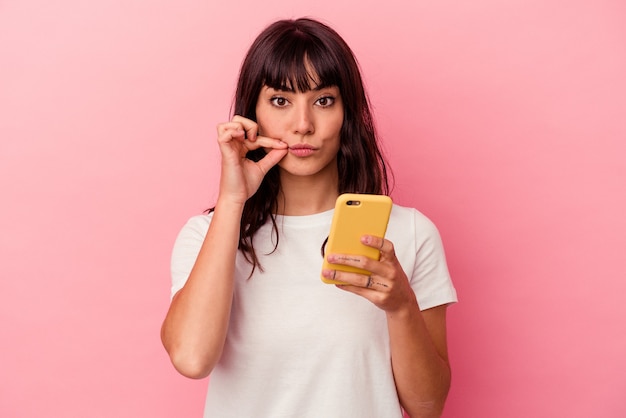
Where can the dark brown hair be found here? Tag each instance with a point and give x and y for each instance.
(282, 57)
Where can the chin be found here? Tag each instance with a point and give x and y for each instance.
(306, 168)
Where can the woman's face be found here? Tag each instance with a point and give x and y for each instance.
(309, 122)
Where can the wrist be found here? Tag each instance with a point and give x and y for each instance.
(226, 204)
(407, 311)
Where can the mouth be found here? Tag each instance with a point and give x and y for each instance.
(302, 150)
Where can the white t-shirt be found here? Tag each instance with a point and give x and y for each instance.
(297, 347)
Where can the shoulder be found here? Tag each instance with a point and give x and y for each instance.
(411, 229)
(405, 219)
(191, 235)
(196, 226)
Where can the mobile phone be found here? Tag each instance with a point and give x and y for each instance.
(356, 215)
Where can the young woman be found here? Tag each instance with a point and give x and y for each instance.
(248, 306)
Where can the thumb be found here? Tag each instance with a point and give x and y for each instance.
(271, 159)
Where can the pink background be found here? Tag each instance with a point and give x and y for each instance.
(505, 122)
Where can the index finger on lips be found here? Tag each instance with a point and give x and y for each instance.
(266, 142)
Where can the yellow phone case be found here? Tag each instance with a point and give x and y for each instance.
(356, 215)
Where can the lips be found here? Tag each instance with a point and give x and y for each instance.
(302, 150)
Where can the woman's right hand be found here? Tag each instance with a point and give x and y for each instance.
(240, 176)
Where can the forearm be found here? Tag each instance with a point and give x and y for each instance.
(421, 373)
(195, 327)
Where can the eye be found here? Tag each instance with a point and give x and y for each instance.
(279, 101)
(326, 101)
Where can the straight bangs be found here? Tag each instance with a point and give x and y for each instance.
(299, 64)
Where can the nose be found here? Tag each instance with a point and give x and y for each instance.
(303, 123)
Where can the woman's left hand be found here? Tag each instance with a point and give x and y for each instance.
(387, 287)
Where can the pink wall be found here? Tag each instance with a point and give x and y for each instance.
(505, 122)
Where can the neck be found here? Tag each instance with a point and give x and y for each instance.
(307, 195)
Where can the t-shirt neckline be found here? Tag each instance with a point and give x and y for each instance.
(321, 218)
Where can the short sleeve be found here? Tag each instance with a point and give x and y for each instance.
(430, 278)
(186, 249)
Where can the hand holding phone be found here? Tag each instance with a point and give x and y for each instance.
(356, 215)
